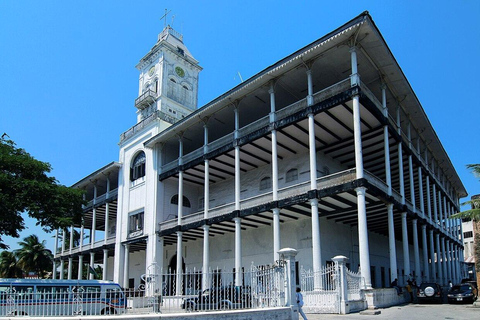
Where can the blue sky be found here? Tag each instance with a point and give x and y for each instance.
(68, 80)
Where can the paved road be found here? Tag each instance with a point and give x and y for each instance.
(412, 312)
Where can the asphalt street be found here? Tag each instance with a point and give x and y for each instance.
(412, 312)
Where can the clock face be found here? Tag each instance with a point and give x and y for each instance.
(180, 72)
(151, 71)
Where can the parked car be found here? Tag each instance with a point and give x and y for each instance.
(464, 292)
(429, 292)
(221, 298)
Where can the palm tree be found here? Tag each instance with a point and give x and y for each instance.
(33, 256)
(473, 214)
(8, 266)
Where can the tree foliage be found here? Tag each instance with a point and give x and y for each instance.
(34, 257)
(8, 266)
(26, 187)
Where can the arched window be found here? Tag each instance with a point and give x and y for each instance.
(137, 170)
(291, 175)
(186, 202)
(265, 183)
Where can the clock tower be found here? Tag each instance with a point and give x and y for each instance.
(168, 82)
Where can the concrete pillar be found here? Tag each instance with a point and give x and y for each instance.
(126, 266)
(71, 240)
(432, 258)
(316, 243)
(439, 259)
(94, 226)
(391, 243)
(62, 270)
(429, 201)
(70, 266)
(363, 249)
(238, 251)
(276, 233)
(444, 261)
(105, 264)
(416, 251)
(180, 183)
(179, 271)
(54, 269)
(406, 251)
(426, 270)
(288, 254)
(310, 87)
(80, 267)
(107, 216)
(92, 265)
(206, 258)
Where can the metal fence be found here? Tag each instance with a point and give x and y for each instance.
(321, 290)
(257, 287)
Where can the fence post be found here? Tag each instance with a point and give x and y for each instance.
(288, 255)
(342, 281)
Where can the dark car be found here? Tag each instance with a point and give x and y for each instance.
(429, 292)
(464, 292)
(230, 297)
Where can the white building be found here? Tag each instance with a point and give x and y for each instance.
(327, 151)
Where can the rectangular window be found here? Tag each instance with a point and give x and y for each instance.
(135, 224)
(468, 234)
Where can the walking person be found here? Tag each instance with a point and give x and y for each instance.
(299, 298)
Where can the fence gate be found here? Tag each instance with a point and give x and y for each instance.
(321, 289)
(268, 286)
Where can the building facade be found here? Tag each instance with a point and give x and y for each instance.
(327, 151)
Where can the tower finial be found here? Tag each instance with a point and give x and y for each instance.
(164, 18)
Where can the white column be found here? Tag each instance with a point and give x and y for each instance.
(82, 233)
(56, 243)
(92, 266)
(435, 211)
(206, 258)
(54, 270)
(126, 266)
(206, 193)
(80, 267)
(406, 252)
(64, 240)
(386, 147)
(180, 183)
(310, 87)
(444, 261)
(179, 271)
(238, 251)
(432, 258)
(237, 178)
(94, 226)
(70, 266)
(420, 191)
(363, 249)
(107, 216)
(416, 251)
(105, 264)
(449, 261)
(429, 201)
(62, 269)
(71, 240)
(439, 259)
(410, 169)
(425, 253)
(276, 211)
(316, 244)
(313, 152)
(276, 233)
(391, 243)
(440, 213)
(400, 159)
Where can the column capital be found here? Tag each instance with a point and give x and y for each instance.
(314, 202)
(353, 48)
(206, 227)
(360, 190)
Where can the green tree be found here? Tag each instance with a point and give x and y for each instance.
(473, 214)
(34, 257)
(25, 187)
(8, 265)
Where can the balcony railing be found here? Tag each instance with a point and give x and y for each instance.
(142, 124)
(145, 99)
